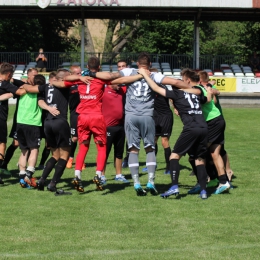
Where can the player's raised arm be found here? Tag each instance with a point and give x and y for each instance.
(151, 83)
(105, 75)
(127, 79)
(175, 82)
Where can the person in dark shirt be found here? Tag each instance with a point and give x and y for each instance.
(6, 73)
(41, 60)
(193, 138)
(73, 103)
(13, 133)
(56, 129)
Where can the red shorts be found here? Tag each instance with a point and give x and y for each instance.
(89, 124)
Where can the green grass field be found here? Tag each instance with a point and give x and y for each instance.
(117, 224)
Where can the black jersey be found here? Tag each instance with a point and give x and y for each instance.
(56, 97)
(189, 108)
(5, 87)
(73, 98)
(161, 104)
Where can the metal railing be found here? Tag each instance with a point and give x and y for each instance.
(55, 59)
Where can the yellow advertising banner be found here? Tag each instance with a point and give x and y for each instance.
(225, 84)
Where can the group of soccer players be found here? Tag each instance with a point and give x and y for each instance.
(110, 106)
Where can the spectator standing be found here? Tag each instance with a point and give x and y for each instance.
(41, 61)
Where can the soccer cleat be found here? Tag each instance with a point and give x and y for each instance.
(78, 184)
(150, 187)
(52, 187)
(125, 163)
(1, 181)
(122, 179)
(40, 184)
(103, 179)
(97, 180)
(144, 169)
(203, 194)
(69, 163)
(167, 172)
(222, 187)
(24, 184)
(195, 189)
(31, 181)
(139, 190)
(174, 190)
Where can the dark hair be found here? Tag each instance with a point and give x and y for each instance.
(144, 59)
(39, 80)
(52, 74)
(93, 63)
(6, 68)
(31, 69)
(191, 74)
(122, 61)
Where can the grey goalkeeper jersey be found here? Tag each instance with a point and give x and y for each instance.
(139, 96)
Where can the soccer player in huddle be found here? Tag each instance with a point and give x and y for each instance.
(204, 81)
(216, 127)
(139, 123)
(56, 129)
(73, 104)
(90, 122)
(6, 73)
(193, 138)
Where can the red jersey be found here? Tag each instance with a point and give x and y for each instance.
(90, 96)
(113, 106)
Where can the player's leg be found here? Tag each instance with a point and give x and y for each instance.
(12, 147)
(119, 150)
(59, 167)
(111, 135)
(49, 166)
(3, 140)
(33, 139)
(147, 130)
(61, 131)
(218, 161)
(166, 131)
(74, 138)
(98, 128)
(226, 161)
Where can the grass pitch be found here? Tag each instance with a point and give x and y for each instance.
(116, 224)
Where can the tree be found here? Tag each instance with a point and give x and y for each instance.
(28, 35)
(165, 37)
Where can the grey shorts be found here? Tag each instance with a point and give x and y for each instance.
(137, 128)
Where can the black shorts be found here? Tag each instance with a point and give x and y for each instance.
(28, 136)
(116, 137)
(3, 131)
(216, 128)
(163, 125)
(74, 124)
(192, 141)
(57, 132)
